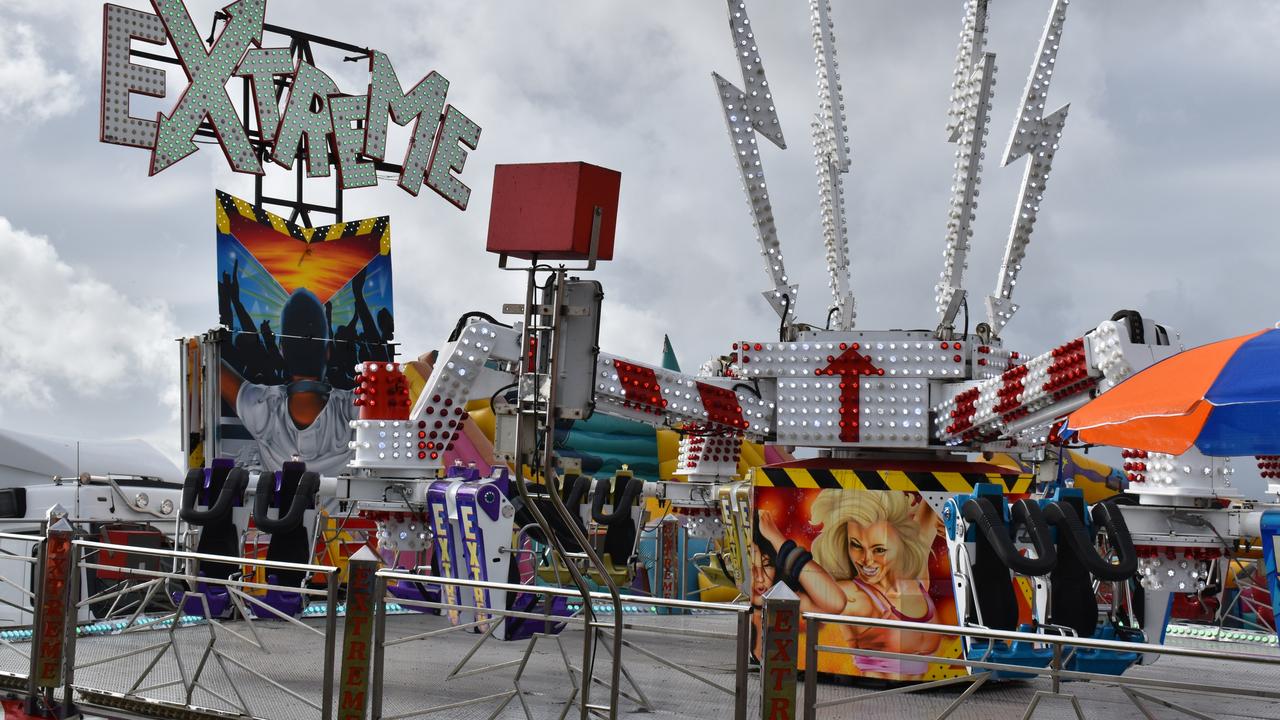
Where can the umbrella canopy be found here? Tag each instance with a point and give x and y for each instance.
(1222, 398)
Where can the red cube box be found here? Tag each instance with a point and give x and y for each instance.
(545, 209)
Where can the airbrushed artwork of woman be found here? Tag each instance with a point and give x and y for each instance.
(870, 559)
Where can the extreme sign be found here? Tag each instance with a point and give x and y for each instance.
(314, 118)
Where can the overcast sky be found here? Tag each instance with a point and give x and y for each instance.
(1162, 198)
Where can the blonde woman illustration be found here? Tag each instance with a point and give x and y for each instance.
(871, 559)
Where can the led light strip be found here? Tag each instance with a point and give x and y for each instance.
(1036, 136)
(662, 397)
(746, 113)
(985, 411)
(830, 147)
(967, 128)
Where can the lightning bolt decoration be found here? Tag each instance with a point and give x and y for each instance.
(1037, 136)
(747, 112)
(973, 39)
(831, 154)
(967, 127)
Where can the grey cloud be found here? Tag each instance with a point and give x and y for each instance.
(1158, 200)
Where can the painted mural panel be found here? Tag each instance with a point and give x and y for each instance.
(867, 553)
(301, 306)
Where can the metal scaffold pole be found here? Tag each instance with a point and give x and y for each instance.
(536, 415)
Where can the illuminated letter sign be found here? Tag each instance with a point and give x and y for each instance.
(319, 120)
(121, 78)
(209, 71)
(473, 551)
(443, 550)
(50, 633)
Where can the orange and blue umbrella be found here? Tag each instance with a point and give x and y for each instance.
(1222, 398)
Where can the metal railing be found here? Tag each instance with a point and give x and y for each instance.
(135, 629)
(738, 692)
(19, 568)
(144, 627)
(1136, 687)
(159, 623)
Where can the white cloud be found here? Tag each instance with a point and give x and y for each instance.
(28, 85)
(64, 332)
(633, 332)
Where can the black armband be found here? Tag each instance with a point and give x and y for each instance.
(784, 553)
(799, 559)
(791, 560)
(802, 559)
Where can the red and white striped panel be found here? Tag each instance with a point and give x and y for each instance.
(656, 396)
(985, 411)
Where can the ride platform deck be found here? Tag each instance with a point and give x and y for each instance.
(222, 668)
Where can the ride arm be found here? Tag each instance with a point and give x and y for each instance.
(483, 360)
(1052, 385)
(660, 397)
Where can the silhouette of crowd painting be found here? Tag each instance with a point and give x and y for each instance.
(258, 351)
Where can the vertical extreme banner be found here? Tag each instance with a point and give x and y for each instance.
(357, 635)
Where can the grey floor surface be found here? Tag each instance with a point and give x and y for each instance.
(281, 679)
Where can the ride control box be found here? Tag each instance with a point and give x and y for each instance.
(547, 210)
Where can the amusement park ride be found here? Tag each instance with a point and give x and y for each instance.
(917, 413)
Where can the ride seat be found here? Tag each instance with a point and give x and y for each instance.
(292, 491)
(1074, 602)
(995, 555)
(219, 489)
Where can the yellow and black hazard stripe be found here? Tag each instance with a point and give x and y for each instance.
(917, 481)
(228, 205)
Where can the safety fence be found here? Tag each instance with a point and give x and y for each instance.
(702, 656)
(164, 635)
(155, 632)
(1193, 682)
(146, 631)
(158, 633)
(19, 571)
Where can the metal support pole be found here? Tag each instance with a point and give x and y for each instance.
(740, 654)
(358, 634)
(70, 627)
(682, 571)
(37, 621)
(780, 654)
(1056, 666)
(379, 646)
(669, 553)
(330, 641)
(811, 669)
(541, 341)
